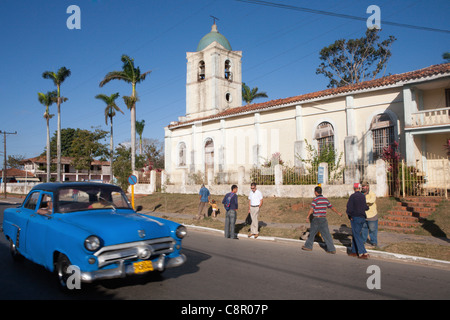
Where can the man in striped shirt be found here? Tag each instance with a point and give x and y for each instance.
(319, 221)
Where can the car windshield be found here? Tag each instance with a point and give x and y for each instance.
(90, 198)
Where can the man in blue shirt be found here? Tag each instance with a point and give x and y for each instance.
(204, 200)
(356, 211)
(230, 202)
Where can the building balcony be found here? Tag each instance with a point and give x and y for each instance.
(434, 119)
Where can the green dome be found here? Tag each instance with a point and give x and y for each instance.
(209, 38)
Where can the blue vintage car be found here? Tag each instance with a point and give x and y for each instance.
(91, 226)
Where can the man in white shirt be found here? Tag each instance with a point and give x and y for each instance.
(254, 204)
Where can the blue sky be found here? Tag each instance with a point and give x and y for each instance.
(280, 54)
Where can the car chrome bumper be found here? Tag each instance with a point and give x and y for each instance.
(124, 270)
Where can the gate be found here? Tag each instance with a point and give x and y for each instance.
(429, 177)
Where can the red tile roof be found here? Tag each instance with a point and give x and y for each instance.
(64, 160)
(13, 172)
(439, 69)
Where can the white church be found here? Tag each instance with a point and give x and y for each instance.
(219, 136)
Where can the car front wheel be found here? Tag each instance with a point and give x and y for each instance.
(61, 269)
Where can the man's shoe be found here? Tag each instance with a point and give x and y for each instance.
(306, 249)
(351, 254)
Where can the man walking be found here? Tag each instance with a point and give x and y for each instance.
(230, 202)
(356, 211)
(204, 201)
(319, 222)
(254, 205)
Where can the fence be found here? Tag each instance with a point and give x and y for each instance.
(309, 175)
(430, 176)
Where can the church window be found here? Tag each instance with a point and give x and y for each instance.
(325, 136)
(182, 154)
(228, 74)
(201, 71)
(382, 129)
(228, 97)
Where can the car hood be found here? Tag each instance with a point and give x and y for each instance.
(115, 227)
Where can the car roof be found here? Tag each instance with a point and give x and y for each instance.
(54, 186)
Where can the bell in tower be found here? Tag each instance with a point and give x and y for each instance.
(214, 77)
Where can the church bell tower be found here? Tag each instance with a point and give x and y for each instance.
(214, 77)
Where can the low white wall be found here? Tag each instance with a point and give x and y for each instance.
(18, 187)
(287, 191)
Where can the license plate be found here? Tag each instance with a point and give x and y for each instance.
(143, 266)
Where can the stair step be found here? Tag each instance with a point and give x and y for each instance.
(423, 199)
(405, 218)
(404, 224)
(409, 213)
(397, 229)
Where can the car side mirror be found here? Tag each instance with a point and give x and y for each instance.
(139, 208)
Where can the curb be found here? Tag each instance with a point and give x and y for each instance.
(373, 253)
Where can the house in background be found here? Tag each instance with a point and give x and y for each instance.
(99, 171)
(14, 175)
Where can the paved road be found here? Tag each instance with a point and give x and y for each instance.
(245, 269)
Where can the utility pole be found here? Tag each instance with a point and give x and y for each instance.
(4, 158)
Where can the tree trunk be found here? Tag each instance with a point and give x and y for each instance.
(58, 142)
(48, 149)
(133, 130)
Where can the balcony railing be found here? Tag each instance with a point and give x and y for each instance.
(430, 117)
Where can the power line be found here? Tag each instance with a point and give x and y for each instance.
(339, 15)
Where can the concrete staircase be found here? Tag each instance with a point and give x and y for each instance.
(408, 214)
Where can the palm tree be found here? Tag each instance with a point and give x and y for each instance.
(140, 129)
(248, 95)
(133, 75)
(47, 100)
(110, 112)
(58, 78)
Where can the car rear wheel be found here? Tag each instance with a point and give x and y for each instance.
(15, 254)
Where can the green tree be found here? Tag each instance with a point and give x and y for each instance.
(67, 136)
(47, 100)
(133, 75)
(153, 152)
(327, 154)
(355, 60)
(58, 78)
(122, 165)
(446, 56)
(140, 130)
(110, 112)
(86, 146)
(248, 95)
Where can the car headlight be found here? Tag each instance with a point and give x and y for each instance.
(181, 232)
(92, 243)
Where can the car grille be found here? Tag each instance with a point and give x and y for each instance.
(148, 249)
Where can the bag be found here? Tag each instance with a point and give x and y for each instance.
(228, 198)
(248, 220)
